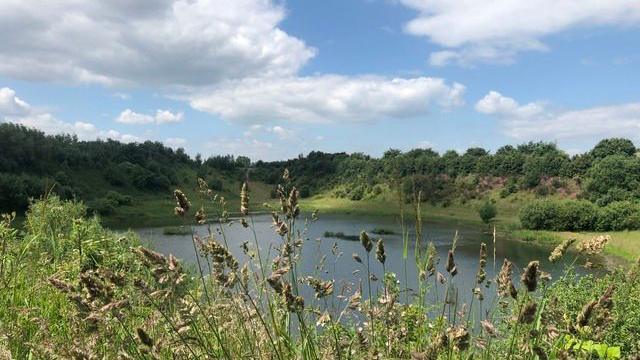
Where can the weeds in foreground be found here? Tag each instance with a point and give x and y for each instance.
(71, 289)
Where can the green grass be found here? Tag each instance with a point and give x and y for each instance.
(70, 288)
(154, 210)
(456, 212)
(624, 244)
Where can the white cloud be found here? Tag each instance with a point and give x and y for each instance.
(537, 121)
(15, 110)
(479, 31)
(164, 42)
(425, 144)
(175, 142)
(10, 104)
(166, 116)
(129, 116)
(327, 98)
(282, 133)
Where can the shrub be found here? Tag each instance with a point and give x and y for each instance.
(620, 215)
(580, 215)
(487, 212)
(541, 215)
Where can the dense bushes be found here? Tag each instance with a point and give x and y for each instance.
(580, 215)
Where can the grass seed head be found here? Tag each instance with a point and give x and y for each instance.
(559, 251)
(244, 199)
(528, 313)
(530, 276)
(451, 264)
(380, 254)
(366, 241)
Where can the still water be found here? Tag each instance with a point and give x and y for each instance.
(348, 273)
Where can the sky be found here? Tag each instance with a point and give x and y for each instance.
(274, 79)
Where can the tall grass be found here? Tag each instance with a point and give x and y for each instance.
(71, 289)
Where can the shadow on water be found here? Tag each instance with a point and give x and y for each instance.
(349, 274)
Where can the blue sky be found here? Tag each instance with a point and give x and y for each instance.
(273, 79)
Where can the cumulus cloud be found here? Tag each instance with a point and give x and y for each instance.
(477, 31)
(15, 110)
(164, 42)
(327, 98)
(129, 116)
(537, 121)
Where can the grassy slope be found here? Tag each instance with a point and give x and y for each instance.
(624, 244)
(156, 209)
(387, 205)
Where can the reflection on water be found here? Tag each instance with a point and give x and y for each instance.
(348, 273)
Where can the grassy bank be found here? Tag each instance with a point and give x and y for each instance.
(156, 210)
(455, 212)
(624, 244)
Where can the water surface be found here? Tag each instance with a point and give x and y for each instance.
(348, 273)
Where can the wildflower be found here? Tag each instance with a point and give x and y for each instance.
(451, 265)
(505, 284)
(366, 241)
(528, 313)
(559, 251)
(594, 245)
(530, 276)
(244, 199)
(380, 255)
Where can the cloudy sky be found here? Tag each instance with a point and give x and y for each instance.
(273, 79)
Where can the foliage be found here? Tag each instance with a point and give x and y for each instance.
(580, 215)
(487, 212)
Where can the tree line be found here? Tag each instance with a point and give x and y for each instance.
(107, 171)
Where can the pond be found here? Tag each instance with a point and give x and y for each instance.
(349, 273)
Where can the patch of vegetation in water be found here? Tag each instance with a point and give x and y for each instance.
(341, 235)
(382, 231)
(176, 230)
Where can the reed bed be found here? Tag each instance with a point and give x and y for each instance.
(71, 289)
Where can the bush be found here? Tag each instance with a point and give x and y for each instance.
(118, 198)
(487, 212)
(621, 215)
(580, 215)
(103, 206)
(541, 215)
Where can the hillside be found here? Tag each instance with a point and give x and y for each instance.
(131, 184)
